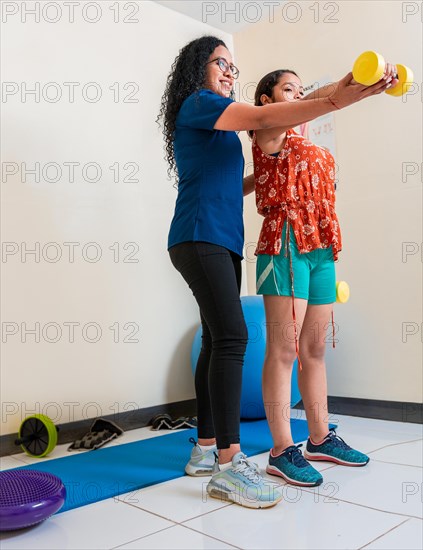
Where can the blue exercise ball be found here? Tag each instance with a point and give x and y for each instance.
(252, 406)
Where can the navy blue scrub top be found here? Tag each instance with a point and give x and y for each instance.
(210, 166)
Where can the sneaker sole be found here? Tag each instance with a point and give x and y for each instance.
(195, 472)
(236, 499)
(328, 458)
(273, 471)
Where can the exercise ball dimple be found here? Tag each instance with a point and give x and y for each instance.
(252, 406)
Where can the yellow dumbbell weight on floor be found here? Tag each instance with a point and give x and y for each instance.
(369, 68)
(342, 292)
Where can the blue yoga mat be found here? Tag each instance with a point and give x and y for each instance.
(105, 473)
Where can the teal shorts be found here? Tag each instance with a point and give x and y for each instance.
(314, 274)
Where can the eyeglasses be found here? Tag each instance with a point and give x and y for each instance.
(224, 66)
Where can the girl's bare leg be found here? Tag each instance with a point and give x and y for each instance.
(277, 369)
(312, 379)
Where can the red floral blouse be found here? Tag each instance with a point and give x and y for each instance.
(297, 185)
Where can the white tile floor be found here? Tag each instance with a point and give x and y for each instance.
(376, 507)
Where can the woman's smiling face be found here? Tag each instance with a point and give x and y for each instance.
(220, 82)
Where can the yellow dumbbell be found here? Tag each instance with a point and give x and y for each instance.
(369, 68)
(342, 292)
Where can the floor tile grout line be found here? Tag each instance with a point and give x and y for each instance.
(225, 505)
(364, 505)
(381, 536)
(396, 444)
(393, 424)
(182, 524)
(18, 460)
(307, 490)
(211, 536)
(396, 463)
(177, 523)
(143, 537)
(171, 527)
(385, 432)
(148, 511)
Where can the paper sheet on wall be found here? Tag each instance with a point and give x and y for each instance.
(320, 131)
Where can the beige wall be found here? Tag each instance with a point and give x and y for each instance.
(71, 380)
(78, 378)
(380, 333)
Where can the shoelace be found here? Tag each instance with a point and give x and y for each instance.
(249, 470)
(337, 440)
(295, 456)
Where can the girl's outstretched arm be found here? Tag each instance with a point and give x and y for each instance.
(324, 91)
(285, 115)
(328, 89)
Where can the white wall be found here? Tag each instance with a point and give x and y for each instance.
(72, 380)
(378, 211)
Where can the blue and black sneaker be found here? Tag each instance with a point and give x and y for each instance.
(334, 449)
(293, 468)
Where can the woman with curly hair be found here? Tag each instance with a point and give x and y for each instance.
(200, 121)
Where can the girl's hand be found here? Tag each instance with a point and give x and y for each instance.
(349, 91)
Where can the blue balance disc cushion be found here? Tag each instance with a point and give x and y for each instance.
(28, 497)
(252, 406)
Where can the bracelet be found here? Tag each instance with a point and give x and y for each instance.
(333, 103)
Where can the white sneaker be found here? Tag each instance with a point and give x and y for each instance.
(201, 463)
(243, 484)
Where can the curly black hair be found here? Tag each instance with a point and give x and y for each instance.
(266, 85)
(186, 76)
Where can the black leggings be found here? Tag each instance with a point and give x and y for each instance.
(213, 273)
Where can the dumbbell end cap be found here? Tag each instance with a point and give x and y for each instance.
(405, 77)
(368, 68)
(342, 292)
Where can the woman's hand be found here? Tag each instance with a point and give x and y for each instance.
(349, 91)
